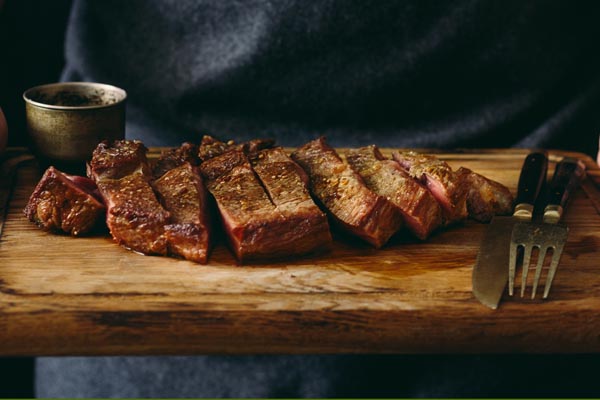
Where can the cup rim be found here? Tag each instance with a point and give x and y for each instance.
(28, 92)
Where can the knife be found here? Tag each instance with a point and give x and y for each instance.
(490, 273)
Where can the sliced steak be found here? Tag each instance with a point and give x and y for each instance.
(173, 158)
(286, 185)
(256, 228)
(421, 212)
(182, 193)
(66, 203)
(485, 197)
(345, 196)
(135, 217)
(445, 185)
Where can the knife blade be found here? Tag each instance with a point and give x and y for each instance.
(490, 273)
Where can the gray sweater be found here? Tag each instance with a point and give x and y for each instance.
(424, 73)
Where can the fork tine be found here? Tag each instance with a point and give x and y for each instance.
(526, 261)
(547, 234)
(512, 266)
(553, 266)
(538, 269)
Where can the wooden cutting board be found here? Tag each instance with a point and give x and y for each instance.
(83, 296)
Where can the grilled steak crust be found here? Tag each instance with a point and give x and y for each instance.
(345, 196)
(211, 147)
(447, 188)
(190, 241)
(485, 197)
(223, 165)
(286, 186)
(119, 159)
(255, 227)
(420, 211)
(285, 181)
(182, 193)
(66, 203)
(135, 217)
(173, 158)
(255, 145)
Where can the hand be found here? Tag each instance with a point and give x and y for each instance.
(3, 131)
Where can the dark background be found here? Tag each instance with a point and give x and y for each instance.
(31, 53)
(512, 375)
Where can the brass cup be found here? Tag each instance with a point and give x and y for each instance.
(66, 121)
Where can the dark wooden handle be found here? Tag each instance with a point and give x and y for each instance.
(533, 175)
(566, 179)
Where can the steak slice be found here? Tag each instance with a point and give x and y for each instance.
(445, 185)
(173, 158)
(286, 185)
(135, 217)
(420, 210)
(485, 197)
(345, 196)
(256, 228)
(211, 147)
(66, 203)
(183, 195)
(119, 159)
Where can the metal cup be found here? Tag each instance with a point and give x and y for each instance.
(66, 121)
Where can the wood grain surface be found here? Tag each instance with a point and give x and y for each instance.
(87, 296)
